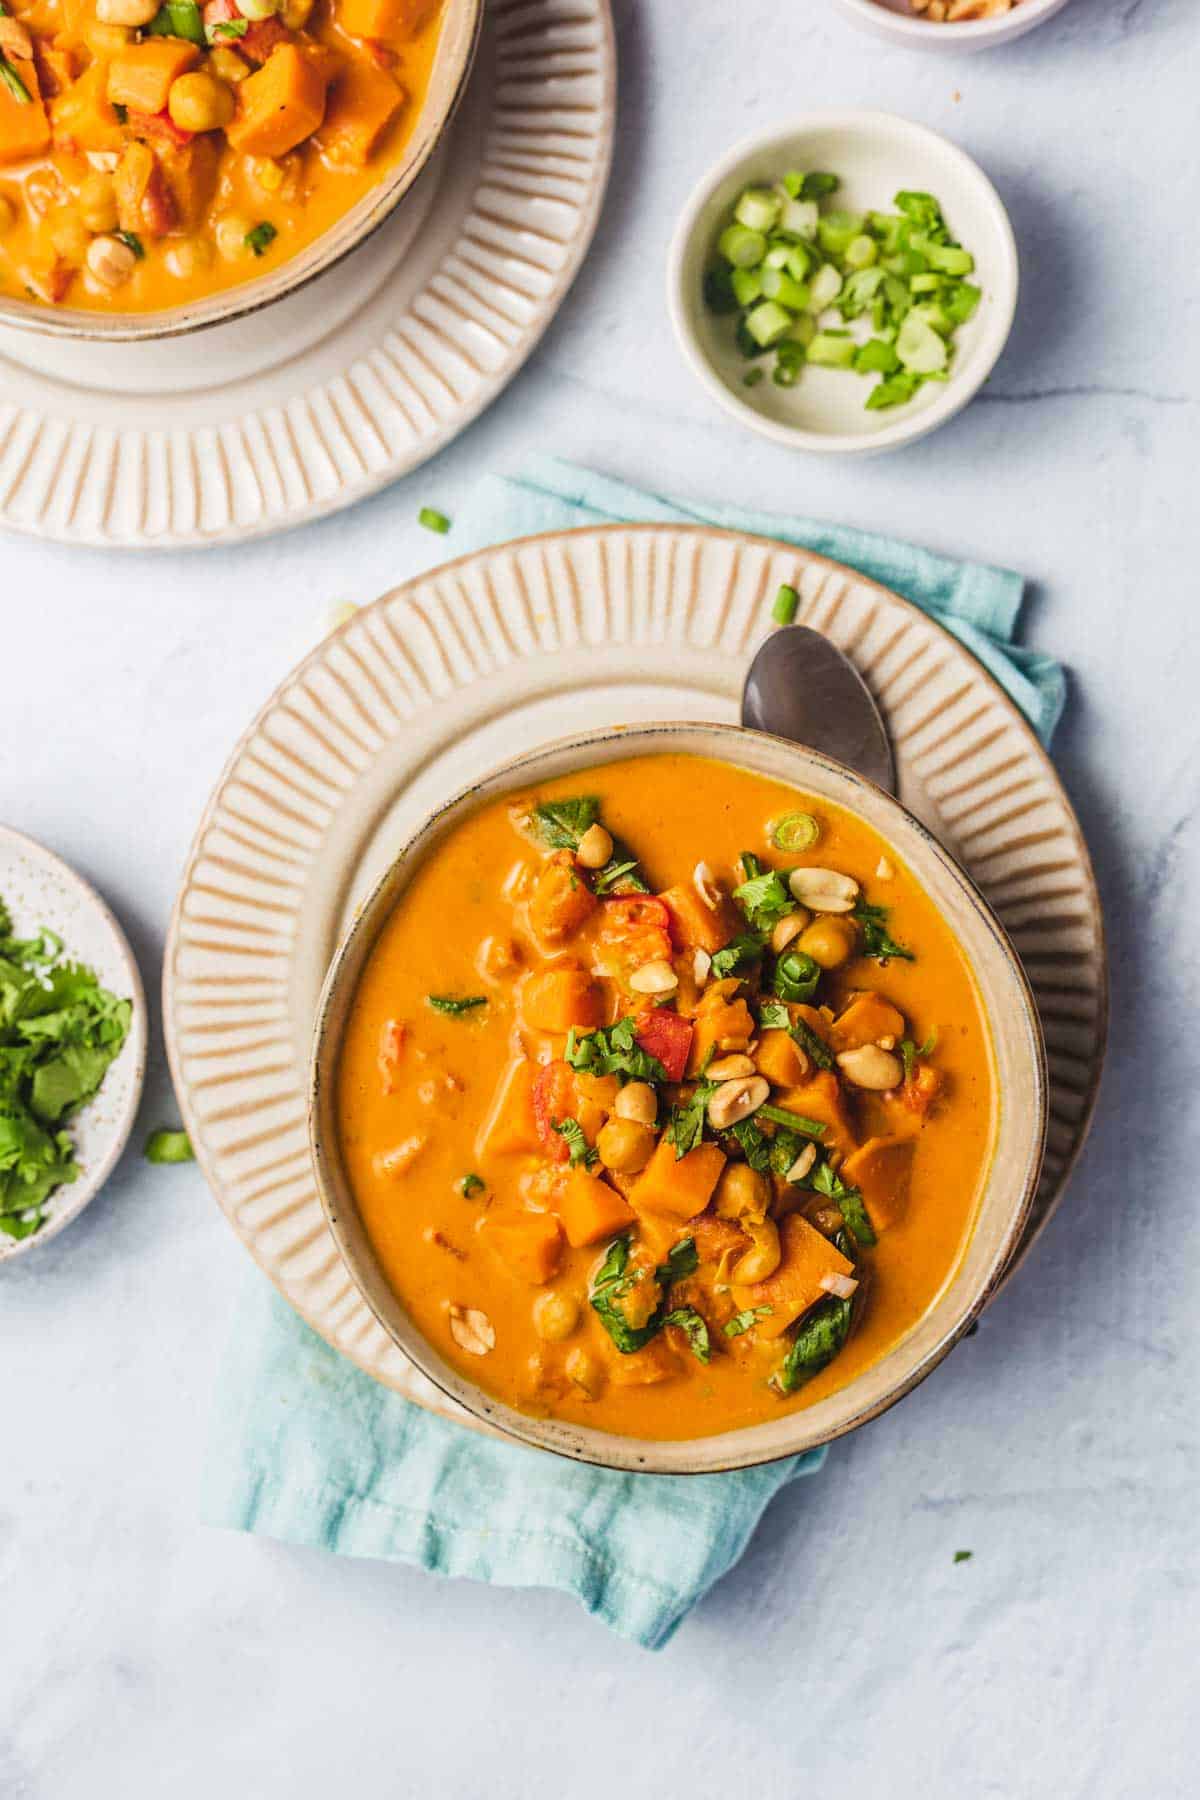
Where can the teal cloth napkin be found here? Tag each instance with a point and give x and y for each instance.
(308, 1449)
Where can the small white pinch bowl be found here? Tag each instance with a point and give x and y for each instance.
(875, 154)
(891, 19)
(41, 890)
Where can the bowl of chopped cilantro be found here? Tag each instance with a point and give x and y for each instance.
(844, 284)
(72, 1043)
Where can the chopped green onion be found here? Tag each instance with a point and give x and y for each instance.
(743, 248)
(833, 350)
(778, 285)
(767, 322)
(787, 602)
(10, 79)
(795, 832)
(752, 377)
(782, 263)
(433, 520)
(758, 209)
(169, 1147)
(779, 1115)
(471, 1184)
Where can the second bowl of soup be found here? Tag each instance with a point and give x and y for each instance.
(677, 1101)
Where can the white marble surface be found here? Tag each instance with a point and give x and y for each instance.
(144, 1655)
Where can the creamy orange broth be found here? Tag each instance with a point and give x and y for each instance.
(671, 811)
(76, 168)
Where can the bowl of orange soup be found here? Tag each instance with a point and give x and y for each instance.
(166, 166)
(677, 1101)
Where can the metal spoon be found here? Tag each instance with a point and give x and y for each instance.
(800, 686)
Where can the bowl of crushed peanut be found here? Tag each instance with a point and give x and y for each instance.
(950, 24)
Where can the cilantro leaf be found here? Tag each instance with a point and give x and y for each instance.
(261, 236)
(814, 1046)
(59, 1032)
(822, 1333)
(743, 1321)
(742, 954)
(561, 823)
(613, 1281)
(692, 1325)
(764, 899)
(580, 1150)
(613, 1050)
(686, 1125)
(849, 1200)
(876, 940)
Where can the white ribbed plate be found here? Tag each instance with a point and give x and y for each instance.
(332, 393)
(471, 664)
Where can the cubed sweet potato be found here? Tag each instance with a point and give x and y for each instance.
(695, 926)
(561, 899)
(796, 1284)
(529, 1244)
(24, 127)
(279, 106)
(390, 21)
(881, 1171)
(868, 1018)
(590, 1210)
(140, 77)
(363, 101)
(557, 999)
(726, 1027)
(191, 175)
(821, 1098)
(780, 1059)
(511, 1126)
(681, 1186)
(656, 1362)
(82, 117)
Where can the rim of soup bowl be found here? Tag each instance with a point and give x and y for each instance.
(1019, 1072)
(454, 58)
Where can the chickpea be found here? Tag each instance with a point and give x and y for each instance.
(268, 174)
(637, 1101)
(555, 1316)
(763, 1257)
(8, 214)
(199, 102)
(625, 1146)
(110, 261)
(230, 233)
(259, 9)
(742, 1193)
(227, 64)
(829, 940)
(186, 256)
(98, 202)
(134, 13)
(583, 1369)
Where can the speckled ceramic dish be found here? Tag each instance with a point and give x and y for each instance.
(456, 48)
(895, 21)
(39, 889)
(1008, 1189)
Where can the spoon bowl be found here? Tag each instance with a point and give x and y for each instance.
(801, 687)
